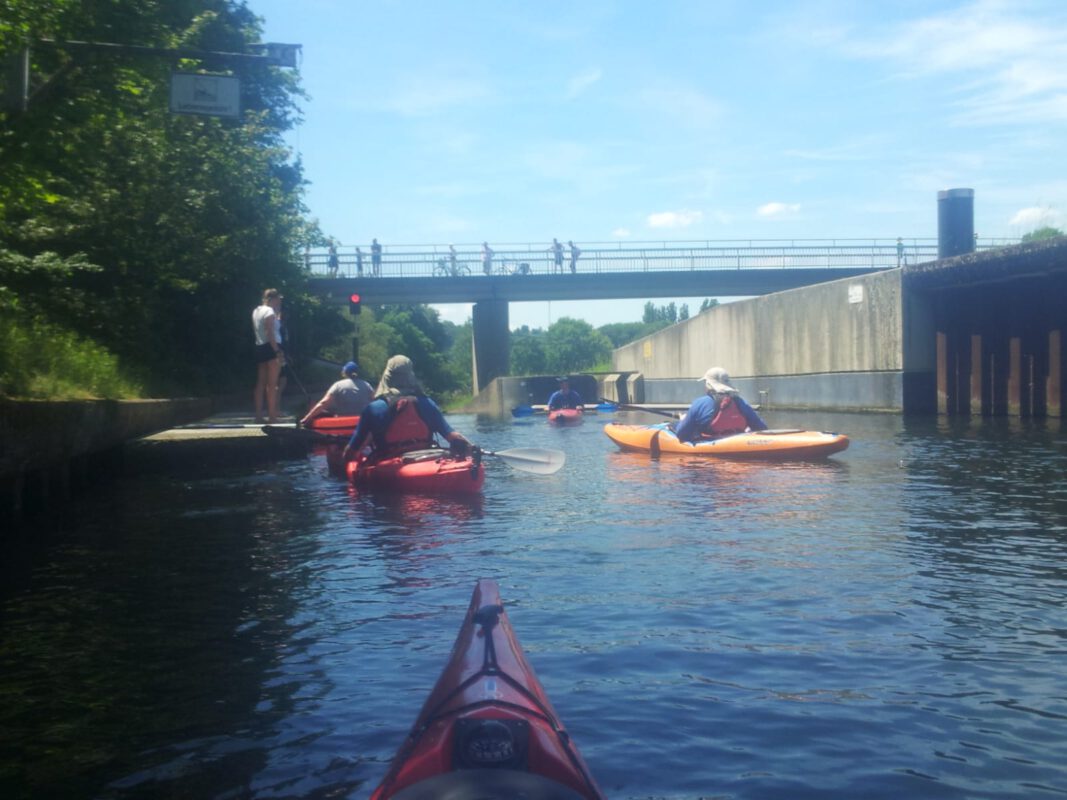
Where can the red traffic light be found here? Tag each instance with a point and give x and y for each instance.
(353, 303)
(353, 298)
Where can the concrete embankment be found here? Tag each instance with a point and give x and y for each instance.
(50, 450)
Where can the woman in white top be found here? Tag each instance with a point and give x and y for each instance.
(264, 320)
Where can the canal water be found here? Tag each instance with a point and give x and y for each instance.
(889, 623)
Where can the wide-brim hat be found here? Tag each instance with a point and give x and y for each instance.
(717, 380)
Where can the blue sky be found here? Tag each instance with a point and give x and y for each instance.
(605, 120)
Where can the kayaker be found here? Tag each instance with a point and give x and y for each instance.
(719, 412)
(346, 398)
(401, 418)
(564, 397)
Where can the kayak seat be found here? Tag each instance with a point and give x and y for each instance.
(487, 784)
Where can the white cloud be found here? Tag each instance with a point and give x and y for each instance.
(681, 104)
(1007, 67)
(422, 95)
(621, 233)
(778, 210)
(1037, 217)
(674, 219)
(582, 81)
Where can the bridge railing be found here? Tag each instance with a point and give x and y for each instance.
(421, 261)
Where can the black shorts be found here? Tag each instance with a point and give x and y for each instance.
(264, 352)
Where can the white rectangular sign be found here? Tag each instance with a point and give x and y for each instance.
(213, 95)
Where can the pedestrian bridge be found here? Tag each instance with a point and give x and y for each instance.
(528, 272)
(444, 274)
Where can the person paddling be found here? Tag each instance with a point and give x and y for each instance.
(719, 412)
(401, 418)
(565, 396)
(346, 398)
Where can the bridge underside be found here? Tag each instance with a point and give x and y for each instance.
(491, 295)
(603, 286)
(999, 325)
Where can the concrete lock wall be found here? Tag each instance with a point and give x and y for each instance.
(835, 345)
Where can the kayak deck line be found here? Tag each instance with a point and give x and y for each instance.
(487, 728)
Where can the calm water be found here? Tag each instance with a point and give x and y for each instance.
(887, 624)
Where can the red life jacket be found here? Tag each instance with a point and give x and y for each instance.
(728, 419)
(407, 430)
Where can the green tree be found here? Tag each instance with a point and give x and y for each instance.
(621, 333)
(150, 234)
(572, 345)
(527, 352)
(708, 302)
(1047, 232)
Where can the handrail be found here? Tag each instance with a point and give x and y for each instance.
(409, 261)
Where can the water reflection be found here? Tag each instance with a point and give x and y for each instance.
(887, 623)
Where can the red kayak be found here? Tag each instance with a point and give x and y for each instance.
(341, 426)
(434, 471)
(565, 416)
(487, 730)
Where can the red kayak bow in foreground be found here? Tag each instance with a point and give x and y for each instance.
(487, 730)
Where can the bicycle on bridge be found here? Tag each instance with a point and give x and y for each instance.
(444, 269)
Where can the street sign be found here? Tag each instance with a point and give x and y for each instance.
(205, 93)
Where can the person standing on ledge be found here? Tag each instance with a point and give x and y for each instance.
(268, 363)
(565, 396)
(346, 398)
(721, 411)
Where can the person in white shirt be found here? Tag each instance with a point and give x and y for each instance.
(268, 356)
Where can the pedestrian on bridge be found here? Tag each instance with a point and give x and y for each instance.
(333, 262)
(557, 255)
(376, 258)
(359, 263)
(575, 252)
(487, 258)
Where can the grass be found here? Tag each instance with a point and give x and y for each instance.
(39, 360)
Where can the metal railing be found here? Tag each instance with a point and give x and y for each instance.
(422, 261)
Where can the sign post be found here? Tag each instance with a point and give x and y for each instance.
(205, 93)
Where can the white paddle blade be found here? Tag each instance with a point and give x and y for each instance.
(537, 460)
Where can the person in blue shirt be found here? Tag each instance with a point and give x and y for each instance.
(401, 418)
(721, 411)
(564, 397)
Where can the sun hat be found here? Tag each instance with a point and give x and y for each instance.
(717, 380)
(398, 377)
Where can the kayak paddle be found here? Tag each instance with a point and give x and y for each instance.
(628, 407)
(538, 460)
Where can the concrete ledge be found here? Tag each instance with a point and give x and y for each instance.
(38, 434)
(853, 391)
(48, 449)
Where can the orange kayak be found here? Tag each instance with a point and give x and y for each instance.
(341, 426)
(425, 471)
(770, 444)
(488, 730)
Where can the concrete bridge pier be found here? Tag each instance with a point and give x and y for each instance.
(490, 342)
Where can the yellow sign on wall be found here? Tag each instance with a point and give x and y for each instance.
(648, 350)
